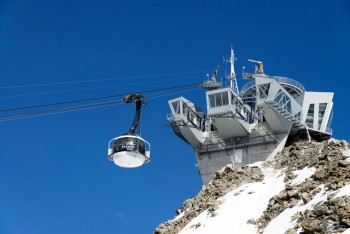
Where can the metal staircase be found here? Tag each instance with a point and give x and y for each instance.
(296, 122)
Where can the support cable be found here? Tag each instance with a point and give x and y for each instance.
(91, 99)
(56, 111)
(84, 89)
(100, 80)
(83, 107)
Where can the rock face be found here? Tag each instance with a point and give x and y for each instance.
(224, 181)
(332, 172)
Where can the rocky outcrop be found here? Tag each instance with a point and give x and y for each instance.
(331, 172)
(332, 216)
(223, 182)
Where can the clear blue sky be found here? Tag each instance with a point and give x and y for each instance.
(54, 174)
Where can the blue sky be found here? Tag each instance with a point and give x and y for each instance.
(54, 173)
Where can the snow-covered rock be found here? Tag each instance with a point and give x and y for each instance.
(305, 189)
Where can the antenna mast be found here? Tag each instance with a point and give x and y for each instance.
(232, 77)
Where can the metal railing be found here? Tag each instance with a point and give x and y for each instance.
(238, 143)
(280, 79)
(288, 81)
(247, 86)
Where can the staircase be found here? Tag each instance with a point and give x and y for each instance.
(296, 122)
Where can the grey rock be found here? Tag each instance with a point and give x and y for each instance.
(343, 163)
(251, 221)
(311, 225)
(321, 210)
(293, 194)
(291, 231)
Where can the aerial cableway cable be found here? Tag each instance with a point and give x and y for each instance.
(100, 80)
(91, 99)
(85, 89)
(59, 110)
(166, 91)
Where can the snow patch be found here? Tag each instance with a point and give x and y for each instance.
(243, 204)
(179, 216)
(303, 174)
(257, 164)
(344, 191)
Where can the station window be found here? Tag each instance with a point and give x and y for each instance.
(218, 99)
(330, 120)
(264, 90)
(185, 109)
(298, 115)
(211, 100)
(176, 106)
(225, 98)
(310, 116)
(284, 101)
(321, 110)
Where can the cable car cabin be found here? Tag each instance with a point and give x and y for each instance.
(129, 151)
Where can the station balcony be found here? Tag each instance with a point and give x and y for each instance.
(294, 87)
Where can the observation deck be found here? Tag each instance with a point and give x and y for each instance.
(293, 87)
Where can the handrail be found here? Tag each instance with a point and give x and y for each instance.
(280, 79)
(243, 141)
(247, 86)
(289, 81)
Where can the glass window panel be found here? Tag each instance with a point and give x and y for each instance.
(321, 110)
(176, 107)
(261, 92)
(125, 144)
(297, 116)
(289, 107)
(185, 109)
(310, 115)
(264, 90)
(330, 119)
(142, 148)
(225, 98)
(278, 96)
(267, 89)
(218, 99)
(211, 101)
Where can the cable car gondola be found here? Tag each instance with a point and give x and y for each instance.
(130, 150)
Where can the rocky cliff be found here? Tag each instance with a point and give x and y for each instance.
(305, 189)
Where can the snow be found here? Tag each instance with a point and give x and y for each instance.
(303, 174)
(344, 191)
(244, 203)
(248, 201)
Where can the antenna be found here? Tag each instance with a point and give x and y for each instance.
(232, 77)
